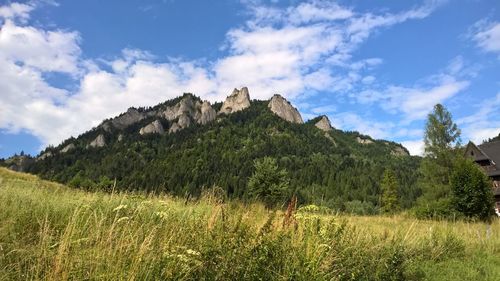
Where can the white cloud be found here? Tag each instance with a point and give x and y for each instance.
(416, 101)
(16, 11)
(484, 123)
(415, 147)
(487, 35)
(354, 122)
(294, 51)
(45, 50)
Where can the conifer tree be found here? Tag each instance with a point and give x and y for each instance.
(268, 183)
(442, 142)
(390, 199)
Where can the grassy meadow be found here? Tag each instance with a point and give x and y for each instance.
(51, 232)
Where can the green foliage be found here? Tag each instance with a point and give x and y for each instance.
(222, 153)
(441, 133)
(390, 197)
(362, 208)
(472, 193)
(268, 183)
(442, 140)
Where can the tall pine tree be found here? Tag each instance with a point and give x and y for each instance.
(390, 198)
(442, 142)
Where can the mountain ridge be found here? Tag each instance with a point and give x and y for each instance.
(220, 148)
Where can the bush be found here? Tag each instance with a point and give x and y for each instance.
(472, 194)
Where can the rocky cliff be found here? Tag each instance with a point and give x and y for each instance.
(281, 107)
(238, 100)
(154, 127)
(99, 141)
(324, 124)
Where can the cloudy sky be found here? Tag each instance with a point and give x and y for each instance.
(376, 67)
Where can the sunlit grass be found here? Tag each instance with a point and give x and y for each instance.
(51, 232)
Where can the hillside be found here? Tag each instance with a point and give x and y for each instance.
(52, 232)
(183, 145)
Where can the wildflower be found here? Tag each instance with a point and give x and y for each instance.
(192, 252)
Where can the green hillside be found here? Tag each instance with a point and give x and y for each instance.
(335, 170)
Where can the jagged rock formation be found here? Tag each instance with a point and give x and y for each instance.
(324, 124)
(364, 141)
(130, 117)
(154, 127)
(187, 108)
(238, 100)
(44, 156)
(400, 151)
(67, 148)
(208, 114)
(99, 141)
(174, 128)
(281, 107)
(19, 163)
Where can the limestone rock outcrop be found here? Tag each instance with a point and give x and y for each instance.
(208, 114)
(19, 163)
(68, 148)
(364, 141)
(324, 124)
(128, 118)
(185, 110)
(174, 128)
(400, 151)
(154, 127)
(238, 100)
(99, 141)
(44, 156)
(281, 107)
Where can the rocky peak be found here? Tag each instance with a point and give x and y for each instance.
(154, 127)
(126, 119)
(208, 114)
(187, 108)
(68, 148)
(363, 141)
(400, 151)
(281, 107)
(238, 100)
(324, 124)
(99, 141)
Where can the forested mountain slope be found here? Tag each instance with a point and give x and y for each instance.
(183, 145)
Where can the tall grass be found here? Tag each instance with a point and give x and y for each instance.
(51, 232)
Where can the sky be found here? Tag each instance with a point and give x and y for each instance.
(376, 67)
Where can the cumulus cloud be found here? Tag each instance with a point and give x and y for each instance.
(16, 11)
(487, 35)
(293, 51)
(414, 102)
(415, 147)
(484, 123)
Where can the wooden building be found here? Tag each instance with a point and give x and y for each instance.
(487, 155)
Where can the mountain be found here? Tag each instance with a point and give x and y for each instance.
(185, 144)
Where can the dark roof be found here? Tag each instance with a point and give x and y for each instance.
(492, 151)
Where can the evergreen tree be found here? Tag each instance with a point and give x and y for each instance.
(268, 183)
(472, 194)
(442, 141)
(390, 199)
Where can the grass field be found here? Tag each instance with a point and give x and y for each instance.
(51, 232)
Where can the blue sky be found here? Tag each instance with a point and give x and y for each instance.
(377, 67)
